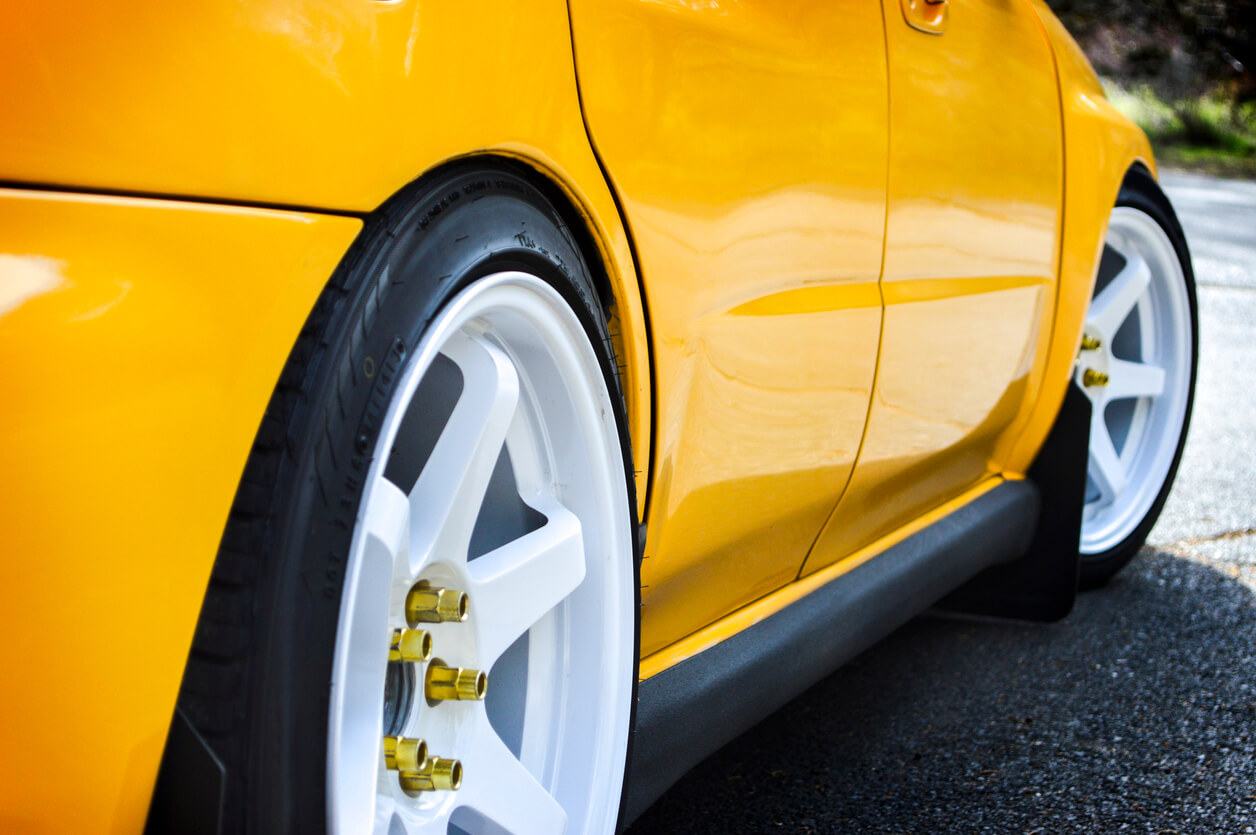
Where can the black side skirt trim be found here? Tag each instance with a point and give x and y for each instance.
(689, 711)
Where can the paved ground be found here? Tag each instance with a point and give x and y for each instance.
(1137, 713)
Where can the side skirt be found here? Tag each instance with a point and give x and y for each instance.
(689, 711)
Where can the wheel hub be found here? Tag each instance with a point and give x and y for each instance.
(409, 648)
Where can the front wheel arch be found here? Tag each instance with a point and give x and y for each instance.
(1141, 192)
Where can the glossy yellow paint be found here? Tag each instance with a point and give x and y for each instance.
(139, 343)
(769, 605)
(929, 16)
(750, 143)
(1102, 146)
(747, 142)
(334, 104)
(970, 263)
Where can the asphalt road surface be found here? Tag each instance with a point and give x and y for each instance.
(1137, 713)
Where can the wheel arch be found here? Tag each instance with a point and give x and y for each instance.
(189, 774)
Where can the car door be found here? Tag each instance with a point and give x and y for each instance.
(972, 237)
(747, 142)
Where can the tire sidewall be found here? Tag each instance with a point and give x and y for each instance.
(419, 252)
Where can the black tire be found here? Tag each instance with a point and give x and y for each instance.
(1140, 191)
(256, 687)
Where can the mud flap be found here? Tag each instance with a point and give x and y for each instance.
(1042, 585)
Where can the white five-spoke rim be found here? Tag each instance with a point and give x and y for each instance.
(1140, 316)
(557, 599)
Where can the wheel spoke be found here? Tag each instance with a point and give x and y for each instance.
(514, 586)
(498, 787)
(387, 518)
(1105, 465)
(1134, 379)
(527, 412)
(434, 822)
(450, 490)
(1112, 306)
(384, 806)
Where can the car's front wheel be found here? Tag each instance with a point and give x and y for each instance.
(1137, 367)
(424, 615)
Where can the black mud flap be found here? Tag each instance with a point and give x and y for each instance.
(1042, 585)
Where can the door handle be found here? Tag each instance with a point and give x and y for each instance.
(928, 16)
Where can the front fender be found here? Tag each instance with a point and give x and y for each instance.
(1100, 147)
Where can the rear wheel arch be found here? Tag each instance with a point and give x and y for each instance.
(604, 237)
(188, 758)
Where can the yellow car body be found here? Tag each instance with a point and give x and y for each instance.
(909, 219)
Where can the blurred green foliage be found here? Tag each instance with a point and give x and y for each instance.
(1207, 132)
(1182, 69)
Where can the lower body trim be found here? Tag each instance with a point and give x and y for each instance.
(689, 711)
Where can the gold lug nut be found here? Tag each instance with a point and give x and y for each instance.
(436, 774)
(413, 645)
(433, 604)
(1090, 343)
(402, 754)
(1091, 377)
(455, 683)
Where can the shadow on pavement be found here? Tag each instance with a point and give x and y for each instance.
(1139, 709)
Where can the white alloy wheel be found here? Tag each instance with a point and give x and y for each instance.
(532, 435)
(1135, 366)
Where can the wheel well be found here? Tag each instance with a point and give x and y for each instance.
(613, 306)
(577, 223)
(544, 181)
(586, 238)
(189, 766)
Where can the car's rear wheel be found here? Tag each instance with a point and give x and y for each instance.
(424, 616)
(519, 514)
(1137, 367)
